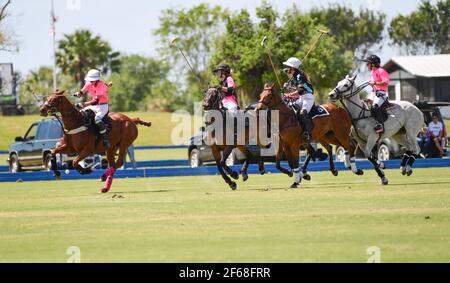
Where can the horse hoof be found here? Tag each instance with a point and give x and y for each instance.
(307, 177)
(409, 173)
(104, 190)
(384, 181)
(335, 172)
(359, 172)
(290, 174)
(234, 175)
(57, 175)
(262, 172)
(103, 178)
(233, 186)
(244, 176)
(403, 171)
(294, 185)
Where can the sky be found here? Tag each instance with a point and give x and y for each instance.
(127, 25)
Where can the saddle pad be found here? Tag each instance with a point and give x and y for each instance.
(318, 111)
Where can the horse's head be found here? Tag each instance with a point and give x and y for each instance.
(55, 103)
(268, 98)
(212, 100)
(343, 88)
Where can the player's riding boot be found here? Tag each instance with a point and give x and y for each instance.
(307, 124)
(103, 134)
(379, 128)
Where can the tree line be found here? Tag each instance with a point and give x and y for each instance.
(210, 35)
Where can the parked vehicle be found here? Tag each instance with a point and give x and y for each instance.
(32, 151)
(389, 148)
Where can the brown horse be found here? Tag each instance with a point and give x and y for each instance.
(212, 102)
(328, 130)
(83, 140)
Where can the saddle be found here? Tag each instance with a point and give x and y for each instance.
(316, 111)
(89, 121)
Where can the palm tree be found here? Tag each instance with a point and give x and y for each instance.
(81, 51)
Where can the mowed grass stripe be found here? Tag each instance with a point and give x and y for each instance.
(198, 219)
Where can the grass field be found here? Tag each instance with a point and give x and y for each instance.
(198, 219)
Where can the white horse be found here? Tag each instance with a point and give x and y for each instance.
(403, 124)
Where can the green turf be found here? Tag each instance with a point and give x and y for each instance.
(158, 134)
(197, 219)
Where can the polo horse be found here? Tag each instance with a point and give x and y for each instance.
(333, 128)
(403, 123)
(223, 148)
(81, 137)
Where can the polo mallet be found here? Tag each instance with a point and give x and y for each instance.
(173, 42)
(269, 54)
(322, 32)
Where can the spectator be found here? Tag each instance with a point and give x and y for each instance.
(436, 133)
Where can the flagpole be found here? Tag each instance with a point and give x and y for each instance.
(53, 33)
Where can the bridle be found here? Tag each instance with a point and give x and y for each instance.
(216, 104)
(271, 95)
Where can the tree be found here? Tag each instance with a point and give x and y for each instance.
(355, 32)
(241, 47)
(424, 31)
(141, 82)
(7, 42)
(196, 29)
(81, 51)
(37, 85)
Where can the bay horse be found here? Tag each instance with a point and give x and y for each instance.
(82, 139)
(212, 102)
(403, 123)
(331, 129)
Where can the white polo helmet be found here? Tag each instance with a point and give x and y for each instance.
(93, 75)
(293, 63)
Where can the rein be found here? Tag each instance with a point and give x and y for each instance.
(361, 115)
(289, 114)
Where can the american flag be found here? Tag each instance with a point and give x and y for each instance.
(53, 20)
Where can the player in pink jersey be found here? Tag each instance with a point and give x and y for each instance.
(379, 80)
(227, 87)
(99, 103)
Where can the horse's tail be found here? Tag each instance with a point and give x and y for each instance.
(138, 121)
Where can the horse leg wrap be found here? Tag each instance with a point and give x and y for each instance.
(108, 184)
(347, 160)
(353, 164)
(404, 160)
(410, 163)
(110, 171)
(298, 175)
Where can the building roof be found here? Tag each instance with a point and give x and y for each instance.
(423, 66)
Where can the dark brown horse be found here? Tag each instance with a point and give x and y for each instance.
(328, 130)
(221, 151)
(83, 140)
